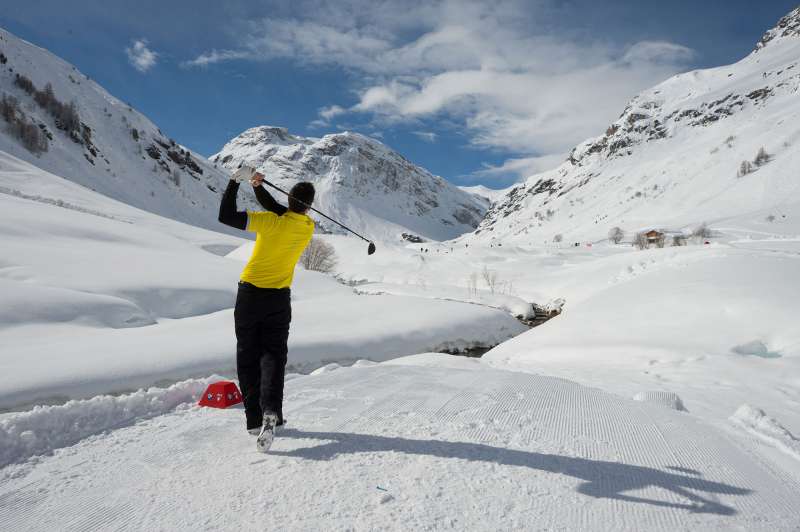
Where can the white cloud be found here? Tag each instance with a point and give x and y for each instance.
(658, 52)
(326, 114)
(427, 136)
(509, 79)
(140, 56)
(522, 167)
(216, 56)
(318, 124)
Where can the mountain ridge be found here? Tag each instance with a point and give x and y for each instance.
(360, 181)
(60, 120)
(107, 145)
(674, 157)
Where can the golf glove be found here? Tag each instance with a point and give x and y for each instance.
(243, 174)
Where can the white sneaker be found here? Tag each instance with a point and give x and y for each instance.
(256, 431)
(264, 441)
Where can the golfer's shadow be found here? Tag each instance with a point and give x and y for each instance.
(601, 479)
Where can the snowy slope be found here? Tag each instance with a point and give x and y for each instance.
(673, 158)
(490, 194)
(98, 296)
(118, 152)
(713, 324)
(429, 442)
(360, 182)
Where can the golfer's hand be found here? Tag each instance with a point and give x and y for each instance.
(257, 179)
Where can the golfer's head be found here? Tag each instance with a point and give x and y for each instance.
(301, 197)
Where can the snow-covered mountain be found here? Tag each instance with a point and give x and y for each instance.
(79, 131)
(58, 119)
(482, 191)
(682, 152)
(359, 181)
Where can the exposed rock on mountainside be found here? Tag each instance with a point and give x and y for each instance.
(704, 145)
(788, 26)
(359, 181)
(60, 120)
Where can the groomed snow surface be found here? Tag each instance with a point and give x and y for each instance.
(430, 442)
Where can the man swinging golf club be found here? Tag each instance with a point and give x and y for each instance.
(263, 306)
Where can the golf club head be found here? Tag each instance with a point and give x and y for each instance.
(371, 248)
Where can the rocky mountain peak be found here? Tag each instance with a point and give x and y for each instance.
(788, 26)
(269, 135)
(360, 180)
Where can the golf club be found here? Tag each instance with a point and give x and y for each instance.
(370, 248)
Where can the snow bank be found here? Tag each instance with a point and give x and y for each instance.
(758, 423)
(666, 399)
(46, 428)
(25, 303)
(509, 303)
(677, 320)
(99, 261)
(327, 368)
(332, 324)
(93, 304)
(438, 360)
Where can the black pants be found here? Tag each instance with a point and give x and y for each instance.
(262, 317)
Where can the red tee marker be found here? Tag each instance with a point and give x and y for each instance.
(221, 394)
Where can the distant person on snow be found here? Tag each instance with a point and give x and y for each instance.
(263, 306)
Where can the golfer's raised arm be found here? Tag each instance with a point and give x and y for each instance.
(227, 208)
(266, 200)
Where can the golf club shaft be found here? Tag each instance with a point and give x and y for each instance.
(318, 212)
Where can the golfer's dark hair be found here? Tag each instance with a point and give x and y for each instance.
(301, 197)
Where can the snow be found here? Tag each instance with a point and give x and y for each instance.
(671, 160)
(490, 194)
(46, 428)
(511, 304)
(665, 399)
(406, 446)
(761, 425)
(108, 298)
(360, 182)
(675, 320)
(122, 168)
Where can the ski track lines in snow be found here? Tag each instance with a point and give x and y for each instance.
(59, 203)
(453, 448)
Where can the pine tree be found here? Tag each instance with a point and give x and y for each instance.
(762, 157)
(745, 168)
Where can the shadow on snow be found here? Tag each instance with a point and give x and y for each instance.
(601, 479)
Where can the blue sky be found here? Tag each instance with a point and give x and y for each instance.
(477, 92)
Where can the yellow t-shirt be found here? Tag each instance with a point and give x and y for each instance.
(280, 240)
